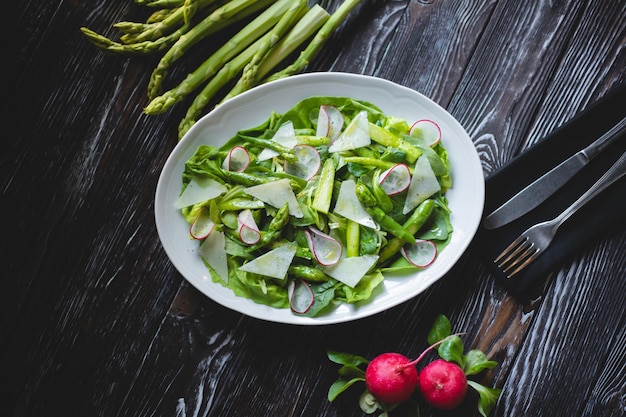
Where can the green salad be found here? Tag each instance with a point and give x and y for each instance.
(310, 208)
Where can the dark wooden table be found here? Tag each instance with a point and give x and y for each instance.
(97, 322)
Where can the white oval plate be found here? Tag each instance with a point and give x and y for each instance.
(466, 198)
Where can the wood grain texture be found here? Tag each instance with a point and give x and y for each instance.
(96, 320)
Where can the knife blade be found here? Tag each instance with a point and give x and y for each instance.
(543, 187)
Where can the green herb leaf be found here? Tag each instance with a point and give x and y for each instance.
(346, 358)
(340, 386)
(351, 371)
(476, 361)
(452, 350)
(440, 330)
(488, 397)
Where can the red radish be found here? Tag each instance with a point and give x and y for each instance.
(391, 378)
(327, 251)
(308, 162)
(420, 254)
(301, 296)
(237, 159)
(443, 384)
(427, 130)
(396, 179)
(202, 225)
(248, 230)
(329, 122)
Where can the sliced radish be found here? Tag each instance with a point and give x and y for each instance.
(349, 206)
(329, 122)
(423, 184)
(396, 179)
(421, 254)
(248, 230)
(426, 129)
(213, 250)
(202, 225)
(276, 194)
(327, 250)
(237, 159)
(307, 164)
(199, 190)
(274, 263)
(301, 296)
(356, 135)
(285, 135)
(351, 270)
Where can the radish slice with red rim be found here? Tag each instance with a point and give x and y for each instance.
(237, 159)
(327, 250)
(396, 179)
(248, 230)
(329, 122)
(301, 296)
(308, 162)
(202, 225)
(421, 254)
(427, 130)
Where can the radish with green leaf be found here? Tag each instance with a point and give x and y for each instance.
(391, 378)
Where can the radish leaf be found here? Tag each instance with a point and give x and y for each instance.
(488, 397)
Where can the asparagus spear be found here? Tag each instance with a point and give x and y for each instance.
(311, 22)
(190, 7)
(318, 41)
(324, 193)
(146, 47)
(223, 16)
(307, 273)
(139, 32)
(160, 3)
(159, 15)
(226, 73)
(212, 65)
(304, 29)
(385, 221)
(286, 21)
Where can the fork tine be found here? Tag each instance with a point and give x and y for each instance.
(517, 256)
(510, 250)
(522, 257)
(524, 264)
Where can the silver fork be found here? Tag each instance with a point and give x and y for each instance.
(536, 239)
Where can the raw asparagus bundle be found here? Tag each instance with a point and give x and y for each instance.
(266, 34)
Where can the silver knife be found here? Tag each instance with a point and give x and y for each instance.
(539, 190)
